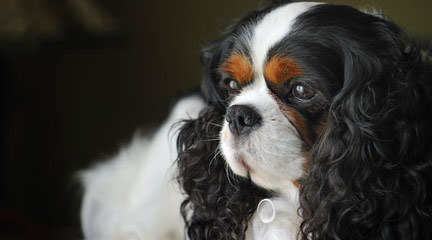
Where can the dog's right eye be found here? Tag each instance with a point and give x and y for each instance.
(231, 84)
(234, 85)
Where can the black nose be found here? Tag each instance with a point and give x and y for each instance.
(242, 119)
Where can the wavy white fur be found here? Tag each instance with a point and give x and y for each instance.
(134, 195)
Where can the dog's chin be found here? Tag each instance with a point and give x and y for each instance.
(241, 162)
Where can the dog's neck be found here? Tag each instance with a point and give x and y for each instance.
(276, 218)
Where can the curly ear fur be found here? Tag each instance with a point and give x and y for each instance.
(370, 174)
(217, 206)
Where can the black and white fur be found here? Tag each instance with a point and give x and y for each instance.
(351, 159)
(358, 146)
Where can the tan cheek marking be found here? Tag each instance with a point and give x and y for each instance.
(298, 182)
(239, 67)
(305, 164)
(295, 118)
(298, 122)
(279, 69)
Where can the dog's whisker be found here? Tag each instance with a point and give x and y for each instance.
(228, 174)
(216, 153)
(210, 140)
(215, 124)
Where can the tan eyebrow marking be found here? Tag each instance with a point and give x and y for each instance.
(279, 69)
(239, 67)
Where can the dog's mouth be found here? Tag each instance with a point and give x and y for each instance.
(232, 149)
(244, 165)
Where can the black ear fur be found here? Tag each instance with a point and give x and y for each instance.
(211, 58)
(370, 175)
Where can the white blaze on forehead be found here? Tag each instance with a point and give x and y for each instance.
(272, 29)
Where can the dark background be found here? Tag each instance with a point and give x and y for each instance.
(78, 77)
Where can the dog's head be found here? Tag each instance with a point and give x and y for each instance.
(279, 95)
(326, 98)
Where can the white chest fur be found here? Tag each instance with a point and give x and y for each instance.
(276, 218)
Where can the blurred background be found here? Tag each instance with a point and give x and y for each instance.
(78, 77)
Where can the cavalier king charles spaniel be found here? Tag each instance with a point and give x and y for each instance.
(316, 123)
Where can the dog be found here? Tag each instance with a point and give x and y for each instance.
(313, 122)
(324, 111)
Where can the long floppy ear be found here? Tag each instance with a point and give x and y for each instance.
(218, 204)
(211, 57)
(370, 174)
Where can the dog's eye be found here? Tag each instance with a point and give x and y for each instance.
(302, 92)
(232, 84)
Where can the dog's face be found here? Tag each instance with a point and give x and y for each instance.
(278, 100)
(329, 94)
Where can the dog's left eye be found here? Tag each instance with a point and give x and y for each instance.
(302, 92)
